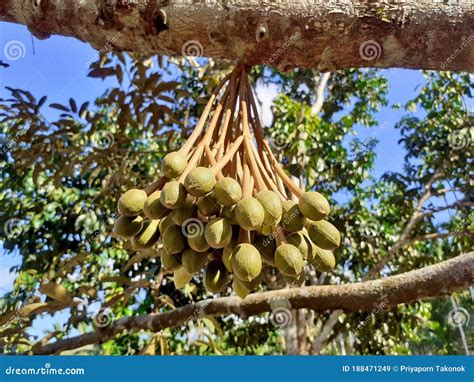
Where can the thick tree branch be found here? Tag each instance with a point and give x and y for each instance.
(326, 35)
(440, 279)
(456, 205)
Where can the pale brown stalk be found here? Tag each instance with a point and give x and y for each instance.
(202, 120)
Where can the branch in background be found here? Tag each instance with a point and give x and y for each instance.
(301, 158)
(320, 341)
(459, 204)
(318, 105)
(416, 217)
(444, 191)
(440, 279)
(434, 236)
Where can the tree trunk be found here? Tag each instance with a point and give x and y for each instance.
(326, 35)
(302, 333)
(291, 336)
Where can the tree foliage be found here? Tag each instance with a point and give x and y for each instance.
(61, 179)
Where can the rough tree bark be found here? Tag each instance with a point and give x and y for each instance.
(322, 34)
(440, 279)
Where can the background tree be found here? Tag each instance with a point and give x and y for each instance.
(61, 180)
